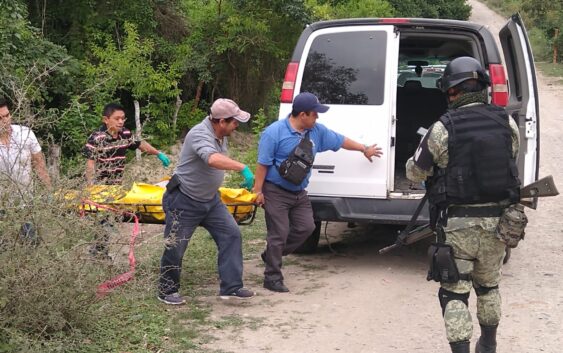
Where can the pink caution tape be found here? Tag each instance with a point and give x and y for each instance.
(107, 286)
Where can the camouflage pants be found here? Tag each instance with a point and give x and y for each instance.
(479, 253)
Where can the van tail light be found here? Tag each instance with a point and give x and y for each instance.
(499, 87)
(289, 82)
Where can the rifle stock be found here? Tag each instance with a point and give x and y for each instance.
(543, 187)
(540, 188)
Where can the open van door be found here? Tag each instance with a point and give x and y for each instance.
(354, 71)
(523, 103)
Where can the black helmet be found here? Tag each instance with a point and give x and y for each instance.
(462, 69)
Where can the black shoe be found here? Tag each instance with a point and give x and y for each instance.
(172, 299)
(276, 286)
(460, 347)
(487, 343)
(241, 293)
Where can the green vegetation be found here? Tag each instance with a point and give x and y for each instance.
(62, 61)
(47, 293)
(555, 70)
(544, 24)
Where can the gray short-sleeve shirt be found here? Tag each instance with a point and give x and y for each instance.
(198, 180)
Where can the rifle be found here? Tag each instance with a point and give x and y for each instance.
(544, 187)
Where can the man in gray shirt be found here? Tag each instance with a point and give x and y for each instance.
(191, 199)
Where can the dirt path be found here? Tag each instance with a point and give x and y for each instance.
(358, 301)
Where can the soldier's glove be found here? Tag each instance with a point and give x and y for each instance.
(164, 159)
(248, 178)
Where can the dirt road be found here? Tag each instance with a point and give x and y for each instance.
(358, 301)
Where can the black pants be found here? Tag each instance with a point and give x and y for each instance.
(289, 221)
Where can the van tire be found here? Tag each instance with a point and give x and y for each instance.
(311, 243)
(507, 253)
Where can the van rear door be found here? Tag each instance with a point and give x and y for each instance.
(523, 104)
(353, 70)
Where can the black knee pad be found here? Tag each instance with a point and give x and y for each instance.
(446, 296)
(481, 290)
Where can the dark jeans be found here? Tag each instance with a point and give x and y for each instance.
(183, 215)
(289, 220)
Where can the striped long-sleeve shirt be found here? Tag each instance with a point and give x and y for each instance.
(109, 153)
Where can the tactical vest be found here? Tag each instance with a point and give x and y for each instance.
(480, 165)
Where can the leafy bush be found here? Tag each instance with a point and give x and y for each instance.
(47, 287)
(540, 45)
(48, 281)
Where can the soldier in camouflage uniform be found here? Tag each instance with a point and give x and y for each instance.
(478, 253)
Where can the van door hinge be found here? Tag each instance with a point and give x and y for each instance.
(392, 141)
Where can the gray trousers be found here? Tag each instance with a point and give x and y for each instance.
(289, 222)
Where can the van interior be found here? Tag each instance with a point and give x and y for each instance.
(419, 102)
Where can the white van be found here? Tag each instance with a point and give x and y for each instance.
(363, 69)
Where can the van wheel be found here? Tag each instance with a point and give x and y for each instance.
(310, 245)
(507, 253)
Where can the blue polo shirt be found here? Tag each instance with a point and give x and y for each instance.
(279, 139)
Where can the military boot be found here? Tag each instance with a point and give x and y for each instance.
(488, 341)
(460, 347)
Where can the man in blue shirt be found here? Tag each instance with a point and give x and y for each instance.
(289, 215)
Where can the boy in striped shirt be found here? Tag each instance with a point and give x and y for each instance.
(106, 148)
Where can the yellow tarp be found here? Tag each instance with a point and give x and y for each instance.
(240, 202)
(142, 199)
(145, 200)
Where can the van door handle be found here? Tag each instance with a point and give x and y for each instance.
(392, 141)
(329, 169)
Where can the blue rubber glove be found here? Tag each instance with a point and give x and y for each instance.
(248, 178)
(164, 159)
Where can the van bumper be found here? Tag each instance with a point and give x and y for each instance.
(361, 210)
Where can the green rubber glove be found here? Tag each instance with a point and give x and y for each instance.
(248, 178)
(164, 159)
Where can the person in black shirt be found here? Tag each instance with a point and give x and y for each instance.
(105, 150)
(107, 146)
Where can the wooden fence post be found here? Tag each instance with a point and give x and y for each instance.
(138, 127)
(54, 162)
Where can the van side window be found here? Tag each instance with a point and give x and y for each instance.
(347, 68)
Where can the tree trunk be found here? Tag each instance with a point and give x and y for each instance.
(197, 95)
(176, 111)
(54, 162)
(43, 18)
(555, 53)
(138, 127)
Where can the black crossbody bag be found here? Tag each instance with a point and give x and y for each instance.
(298, 165)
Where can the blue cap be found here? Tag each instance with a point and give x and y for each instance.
(308, 102)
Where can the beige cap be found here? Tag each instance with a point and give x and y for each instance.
(224, 108)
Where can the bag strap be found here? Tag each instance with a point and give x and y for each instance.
(413, 219)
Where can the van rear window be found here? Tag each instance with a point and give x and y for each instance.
(347, 68)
